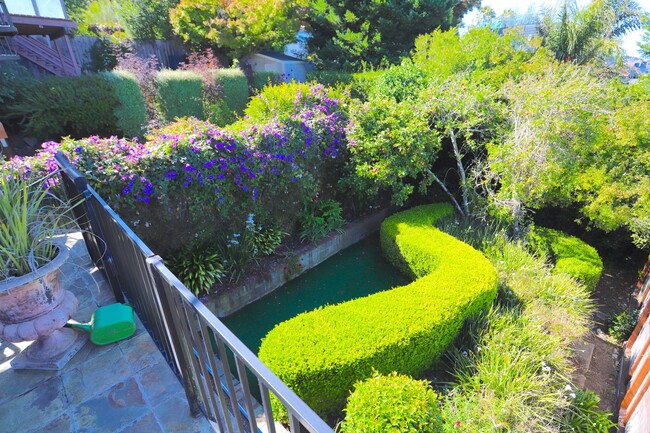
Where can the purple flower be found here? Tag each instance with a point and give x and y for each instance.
(188, 167)
(171, 175)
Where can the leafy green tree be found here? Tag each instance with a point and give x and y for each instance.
(241, 27)
(351, 34)
(557, 115)
(147, 19)
(581, 35)
(644, 44)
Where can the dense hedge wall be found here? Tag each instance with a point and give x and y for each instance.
(569, 254)
(322, 353)
(131, 111)
(179, 94)
(57, 106)
(235, 88)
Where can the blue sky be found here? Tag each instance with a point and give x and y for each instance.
(628, 42)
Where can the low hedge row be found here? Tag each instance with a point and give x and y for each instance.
(323, 353)
(569, 254)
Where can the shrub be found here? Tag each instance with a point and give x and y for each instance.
(392, 403)
(131, 112)
(58, 106)
(263, 79)
(622, 325)
(330, 78)
(402, 82)
(570, 255)
(320, 217)
(276, 101)
(235, 89)
(321, 354)
(198, 269)
(584, 415)
(179, 94)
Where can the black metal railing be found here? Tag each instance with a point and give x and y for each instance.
(194, 341)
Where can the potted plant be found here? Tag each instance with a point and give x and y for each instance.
(33, 306)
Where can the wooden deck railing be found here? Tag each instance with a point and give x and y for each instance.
(634, 414)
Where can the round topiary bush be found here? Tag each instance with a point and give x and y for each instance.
(393, 403)
(321, 354)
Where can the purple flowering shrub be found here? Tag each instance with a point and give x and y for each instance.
(192, 182)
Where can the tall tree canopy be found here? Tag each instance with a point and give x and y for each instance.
(349, 34)
(581, 35)
(240, 26)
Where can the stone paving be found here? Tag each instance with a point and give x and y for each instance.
(121, 387)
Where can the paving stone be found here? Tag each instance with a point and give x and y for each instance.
(174, 417)
(140, 352)
(158, 383)
(39, 406)
(96, 374)
(146, 424)
(110, 411)
(18, 382)
(62, 424)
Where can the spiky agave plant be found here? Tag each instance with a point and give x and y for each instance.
(30, 216)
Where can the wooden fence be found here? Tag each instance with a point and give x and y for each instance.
(634, 414)
(168, 53)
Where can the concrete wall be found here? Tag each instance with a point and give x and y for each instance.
(250, 290)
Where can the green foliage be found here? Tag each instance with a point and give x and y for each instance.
(330, 78)
(569, 255)
(266, 240)
(390, 403)
(391, 148)
(321, 354)
(622, 325)
(644, 44)
(581, 35)
(235, 89)
(520, 347)
(131, 112)
(15, 81)
(30, 215)
(58, 106)
(319, 218)
(198, 269)
(584, 415)
(262, 79)
(147, 19)
(241, 27)
(351, 35)
(179, 94)
(277, 101)
(403, 82)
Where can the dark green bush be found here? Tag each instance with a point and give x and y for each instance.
(323, 353)
(235, 88)
(131, 112)
(262, 79)
(330, 78)
(179, 94)
(319, 218)
(392, 403)
(59, 106)
(622, 325)
(198, 269)
(570, 255)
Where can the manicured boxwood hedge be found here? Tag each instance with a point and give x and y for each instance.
(131, 111)
(179, 94)
(570, 255)
(323, 353)
(235, 88)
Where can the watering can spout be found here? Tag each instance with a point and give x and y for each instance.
(83, 326)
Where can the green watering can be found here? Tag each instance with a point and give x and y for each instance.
(108, 324)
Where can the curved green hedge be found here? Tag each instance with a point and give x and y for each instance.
(571, 255)
(321, 354)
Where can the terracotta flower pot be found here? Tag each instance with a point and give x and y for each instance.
(35, 307)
